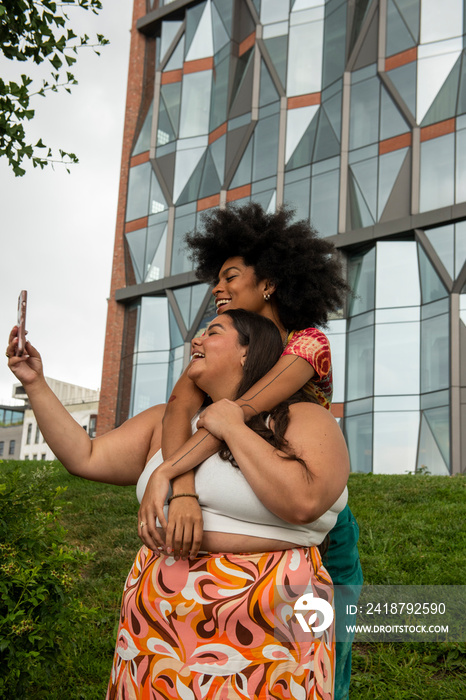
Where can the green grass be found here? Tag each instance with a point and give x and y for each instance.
(411, 532)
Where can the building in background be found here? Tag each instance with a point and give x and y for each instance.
(11, 429)
(81, 403)
(354, 112)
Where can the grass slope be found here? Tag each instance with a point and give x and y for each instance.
(411, 532)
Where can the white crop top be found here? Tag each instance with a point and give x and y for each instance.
(230, 505)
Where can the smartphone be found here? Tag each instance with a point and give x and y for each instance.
(22, 304)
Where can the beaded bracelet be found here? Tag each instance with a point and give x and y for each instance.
(179, 495)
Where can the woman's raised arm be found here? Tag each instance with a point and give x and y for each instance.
(117, 457)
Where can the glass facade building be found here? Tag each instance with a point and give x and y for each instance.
(354, 113)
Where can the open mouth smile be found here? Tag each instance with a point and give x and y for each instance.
(197, 356)
(221, 302)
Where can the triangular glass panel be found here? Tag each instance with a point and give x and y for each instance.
(243, 174)
(244, 67)
(410, 11)
(297, 122)
(219, 96)
(155, 269)
(157, 201)
(432, 72)
(191, 190)
(202, 44)
(389, 168)
(154, 236)
(334, 48)
(399, 38)
(429, 456)
(268, 92)
(183, 299)
(193, 17)
(361, 278)
(327, 144)
(332, 108)
(257, 5)
(461, 109)
(171, 94)
(432, 287)
(176, 339)
(137, 248)
(460, 246)
(443, 242)
(186, 162)
(169, 30)
(198, 294)
(439, 423)
(217, 150)
(143, 142)
(367, 54)
(220, 34)
(303, 152)
(165, 131)
(391, 121)
(360, 13)
(236, 146)
(225, 12)
(265, 199)
(360, 214)
(210, 184)
(404, 79)
(444, 105)
(365, 174)
(175, 62)
(277, 48)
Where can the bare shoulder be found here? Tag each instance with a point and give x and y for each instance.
(311, 422)
(307, 411)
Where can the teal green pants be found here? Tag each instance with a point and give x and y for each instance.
(342, 562)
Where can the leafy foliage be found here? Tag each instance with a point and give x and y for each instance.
(37, 31)
(39, 572)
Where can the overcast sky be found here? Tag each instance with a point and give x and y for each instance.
(57, 230)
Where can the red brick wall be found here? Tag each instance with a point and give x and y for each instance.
(139, 94)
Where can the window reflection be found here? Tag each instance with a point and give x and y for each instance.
(397, 363)
(360, 372)
(358, 432)
(397, 274)
(435, 353)
(430, 457)
(437, 172)
(305, 58)
(395, 442)
(361, 277)
(195, 102)
(137, 203)
(336, 333)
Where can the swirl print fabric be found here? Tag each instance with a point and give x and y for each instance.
(222, 626)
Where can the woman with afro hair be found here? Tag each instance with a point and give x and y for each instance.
(281, 269)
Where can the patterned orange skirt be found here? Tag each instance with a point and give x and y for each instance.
(222, 626)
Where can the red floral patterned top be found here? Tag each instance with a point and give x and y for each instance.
(313, 346)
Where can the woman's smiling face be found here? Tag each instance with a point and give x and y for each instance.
(218, 359)
(238, 288)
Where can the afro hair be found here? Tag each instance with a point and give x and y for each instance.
(304, 267)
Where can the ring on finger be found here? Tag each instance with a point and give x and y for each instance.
(141, 524)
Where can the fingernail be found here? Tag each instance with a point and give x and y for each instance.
(169, 550)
